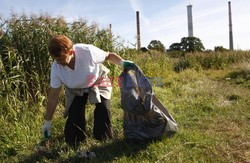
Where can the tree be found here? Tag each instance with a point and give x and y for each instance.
(156, 45)
(175, 47)
(191, 44)
(187, 44)
(219, 49)
(144, 49)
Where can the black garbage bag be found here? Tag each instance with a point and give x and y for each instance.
(144, 115)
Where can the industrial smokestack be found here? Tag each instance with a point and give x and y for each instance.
(138, 31)
(231, 46)
(190, 21)
(110, 32)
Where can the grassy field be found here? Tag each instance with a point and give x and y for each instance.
(211, 106)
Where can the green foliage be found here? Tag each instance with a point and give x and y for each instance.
(239, 77)
(156, 45)
(182, 64)
(163, 64)
(175, 47)
(188, 44)
(144, 49)
(13, 83)
(191, 44)
(220, 49)
(211, 60)
(245, 74)
(175, 54)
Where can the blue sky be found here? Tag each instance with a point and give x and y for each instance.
(164, 20)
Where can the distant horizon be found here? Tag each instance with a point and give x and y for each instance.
(163, 21)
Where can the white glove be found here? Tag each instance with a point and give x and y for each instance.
(46, 129)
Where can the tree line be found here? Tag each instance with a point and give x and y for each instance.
(187, 44)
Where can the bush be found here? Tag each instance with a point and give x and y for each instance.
(175, 54)
(209, 60)
(220, 49)
(182, 65)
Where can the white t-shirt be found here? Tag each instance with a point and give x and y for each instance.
(87, 59)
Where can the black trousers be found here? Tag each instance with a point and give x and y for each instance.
(75, 127)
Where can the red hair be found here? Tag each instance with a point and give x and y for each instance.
(60, 45)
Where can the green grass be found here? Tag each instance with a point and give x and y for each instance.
(211, 111)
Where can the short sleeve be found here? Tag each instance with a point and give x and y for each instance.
(98, 54)
(55, 81)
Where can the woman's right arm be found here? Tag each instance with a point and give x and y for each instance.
(53, 98)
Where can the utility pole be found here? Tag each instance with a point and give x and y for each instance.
(138, 31)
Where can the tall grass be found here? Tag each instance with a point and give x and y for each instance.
(210, 60)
